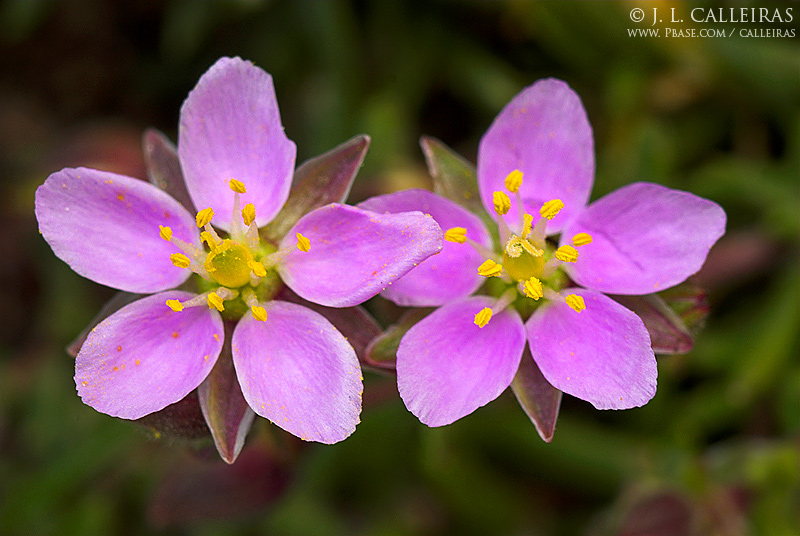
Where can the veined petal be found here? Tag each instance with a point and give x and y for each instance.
(355, 253)
(146, 356)
(453, 272)
(447, 367)
(646, 238)
(106, 227)
(230, 128)
(296, 370)
(543, 132)
(601, 354)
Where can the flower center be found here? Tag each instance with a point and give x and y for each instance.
(235, 269)
(528, 264)
(229, 264)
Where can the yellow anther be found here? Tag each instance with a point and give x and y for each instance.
(259, 313)
(249, 213)
(215, 301)
(180, 260)
(204, 217)
(483, 316)
(527, 225)
(165, 232)
(257, 268)
(489, 268)
(533, 288)
(175, 305)
(237, 186)
(501, 202)
(303, 243)
(576, 302)
(551, 208)
(456, 234)
(208, 238)
(514, 181)
(567, 253)
(581, 239)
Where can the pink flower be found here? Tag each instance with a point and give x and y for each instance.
(535, 173)
(293, 366)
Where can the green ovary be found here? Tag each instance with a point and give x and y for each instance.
(524, 266)
(229, 263)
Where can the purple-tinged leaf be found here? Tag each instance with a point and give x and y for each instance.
(381, 352)
(668, 334)
(182, 420)
(324, 179)
(539, 399)
(690, 303)
(355, 323)
(117, 302)
(453, 176)
(163, 167)
(226, 412)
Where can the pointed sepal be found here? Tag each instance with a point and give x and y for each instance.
(224, 408)
(319, 181)
(381, 353)
(163, 167)
(453, 177)
(668, 333)
(540, 400)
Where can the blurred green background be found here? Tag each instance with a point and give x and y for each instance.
(716, 451)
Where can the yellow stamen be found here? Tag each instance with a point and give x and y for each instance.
(165, 232)
(527, 225)
(175, 305)
(551, 208)
(215, 301)
(259, 313)
(456, 234)
(180, 260)
(501, 202)
(489, 268)
(567, 253)
(204, 217)
(236, 186)
(249, 213)
(303, 243)
(576, 302)
(533, 288)
(514, 181)
(483, 316)
(257, 268)
(581, 239)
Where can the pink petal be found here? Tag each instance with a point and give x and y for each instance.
(296, 370)
(106, 227)
(646, 238)
(355, 253)
(231, 128)
(451, 274)
(601, 354)
(543, 132)
(447, 367)
(146, 356)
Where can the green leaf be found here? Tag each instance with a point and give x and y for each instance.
(540, 400)
(453, 176)
(225, 410)
(317, 182)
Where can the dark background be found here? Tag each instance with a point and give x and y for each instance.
(714, 453)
